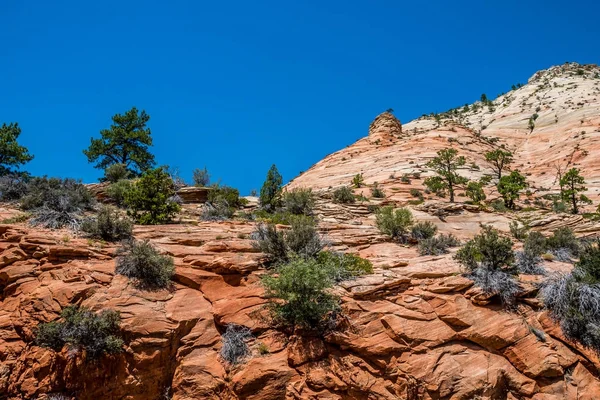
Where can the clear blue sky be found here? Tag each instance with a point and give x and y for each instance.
(239, 85)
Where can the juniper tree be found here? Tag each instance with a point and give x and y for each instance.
(498, 160)
(571, 184)
(270, 192)
(12, 154)
(125, 142)
(445, 165)
(510, 186)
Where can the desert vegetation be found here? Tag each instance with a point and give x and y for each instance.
(80, 329)
(140, 261)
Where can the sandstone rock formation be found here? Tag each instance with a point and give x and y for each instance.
(562, 102)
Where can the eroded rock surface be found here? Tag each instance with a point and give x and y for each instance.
(414, 329)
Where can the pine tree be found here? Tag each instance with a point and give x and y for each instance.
(498, 160)
(270, 193)
(12, 155)
(125, 142)
(572, 183)
(445, 165)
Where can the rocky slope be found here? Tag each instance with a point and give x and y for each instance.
(552, 120)
(415, 328)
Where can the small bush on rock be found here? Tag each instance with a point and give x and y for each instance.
(222, 203)
(489, 261)
(529, 263)
(573, 300)
(343, 195)
(437, 245)
(217, 211)
(235, 347)
(517, 231)
(423, 230)
(57, 193)
(226, 195)
(301, 239)
(149, 201)
(417, 193)
(117, 191)
(270, 241)
(201, 177)
(358, 181)
(377, 192)
(109, 225)
(13, 186)
(82, 329)
(141, 261)
(343, 266)
(563, 244)
(535, 243)
(56, 203)
(299, 295)
(394, 223)
(116, 172)
(298, 201)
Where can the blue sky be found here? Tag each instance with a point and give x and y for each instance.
(236, 86)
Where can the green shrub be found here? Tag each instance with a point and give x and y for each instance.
(377, 192)
(201, 177)
(510, 186)
(535, 243)
(358, 181)
(141, 261)
(301, 239)
(344, 266)
(117, 192)
(573, 300)
(475, 192)
(226, 195)
(416, 193)
(343, 195)
(423, 230)
(437, 245)
(563, 244)
(13, 186)
(299, 201)
(57, 194)
(108, 225)
(299, 296)
(56, 203)
(270, 241)
(394, 223)
(116, 172)
(558, 206)
(489, 261)
(518, 232)
(22, 217)
(278, 217)
(150, 200)
(82, 329)
(529, 261)
(499, 206)
(217, 211)
(405, 178)
(222, 203)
